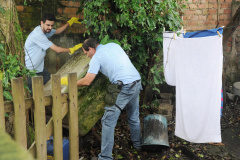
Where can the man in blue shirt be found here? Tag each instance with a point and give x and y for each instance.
(113, 62)
(37, 43)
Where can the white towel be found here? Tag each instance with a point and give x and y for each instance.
(169, 57)
(198, 88)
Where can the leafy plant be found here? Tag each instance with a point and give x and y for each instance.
(11, 67)
(31, 134)
(155, 103)
(177, 156)
(1, 9)
(26, 3)
(138, 26)
(119, 156)
(145, 106)
(200, 155)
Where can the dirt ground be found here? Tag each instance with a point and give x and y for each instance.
(179, 149)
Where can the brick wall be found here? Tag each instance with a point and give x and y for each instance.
(206, 14)
(30, 15)
(198, 15)
(70, 11)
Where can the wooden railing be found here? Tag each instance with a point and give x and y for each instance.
(61, 105)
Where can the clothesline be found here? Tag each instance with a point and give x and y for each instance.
(196, 32)
(201, 30)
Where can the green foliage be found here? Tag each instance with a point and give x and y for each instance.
(26, 3)
(6, 115)
(31, 134)
(177, 156)
(155, 103)
(200, 155)
(145, 106)
(138, 26)
(1, 9)
(119, 156)
(11, 67)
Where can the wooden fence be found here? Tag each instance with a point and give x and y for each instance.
(61, 105)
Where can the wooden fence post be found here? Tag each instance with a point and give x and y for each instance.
(2, 115)
(39, 118)
(19, 111)
(57, 117)
(73, 116)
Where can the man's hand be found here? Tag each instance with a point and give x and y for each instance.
(73, 20)
(76, 47)
(64, 81)
(87, 80)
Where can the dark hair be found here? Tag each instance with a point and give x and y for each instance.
(90, 42)
(48, 16)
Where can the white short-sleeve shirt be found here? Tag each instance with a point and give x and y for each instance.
(35, 48)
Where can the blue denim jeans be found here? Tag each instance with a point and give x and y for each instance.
(129, 98)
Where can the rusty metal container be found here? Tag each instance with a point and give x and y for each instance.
(155, 132)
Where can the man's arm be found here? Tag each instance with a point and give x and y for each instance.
(59, 49)
(87, 80)
(61, 29)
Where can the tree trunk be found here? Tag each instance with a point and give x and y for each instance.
(90, 98)
(10, 30)
(231, 26)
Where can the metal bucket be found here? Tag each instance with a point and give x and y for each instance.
(155, 132)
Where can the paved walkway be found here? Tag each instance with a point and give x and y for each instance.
(231, 139)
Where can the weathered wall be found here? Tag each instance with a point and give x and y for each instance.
(198, 15)
(30, 16)
(208, 14)
(232, 57)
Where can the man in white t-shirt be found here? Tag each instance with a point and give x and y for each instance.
(37, 43)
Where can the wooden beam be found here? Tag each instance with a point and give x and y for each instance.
(231, 26)
(2, 115)
(49, 129)
(8, 105)
(39, 117)
(73, 116)
(19, 111)
(57, 116)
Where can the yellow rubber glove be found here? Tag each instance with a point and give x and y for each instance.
(76, 21)
(76, 47)
(64, 81)
(73, 20)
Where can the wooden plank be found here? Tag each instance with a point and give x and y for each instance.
(49, 131)
(2, 116)
(57, 117)
(19, 111)
(231, 26)
(73, 116)
(39, 117)
(8, 105)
